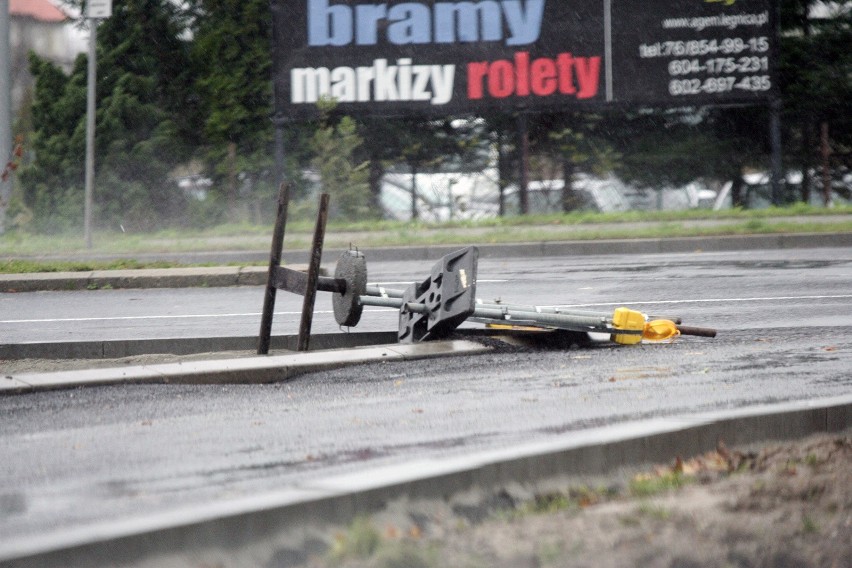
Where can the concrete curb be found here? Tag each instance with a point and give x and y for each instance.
(214, 276)
(115, 349)
(256, 275)
(621, 246)
(249, 370)
(251, 530)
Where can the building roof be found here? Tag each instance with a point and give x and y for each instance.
(41, 10)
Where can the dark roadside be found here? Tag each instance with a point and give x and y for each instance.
(781, 504)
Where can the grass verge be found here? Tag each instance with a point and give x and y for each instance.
(22, 251)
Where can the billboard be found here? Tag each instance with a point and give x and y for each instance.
(442, 57)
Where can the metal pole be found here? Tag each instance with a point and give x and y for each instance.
(90, 135)
(279, 150)
(825, 150)
(494, 313)
(501, 175)
(313, 275)
(382, 292)
(265, 335)
(775, 145)
(413, 191)
(5, 110)
(524, 178)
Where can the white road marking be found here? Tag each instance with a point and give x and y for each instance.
(177, 316)
(408, 283)
(705, 301)
(257, 314)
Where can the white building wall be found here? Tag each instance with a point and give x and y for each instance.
(58, 42)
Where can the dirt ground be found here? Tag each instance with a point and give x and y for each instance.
(783, 505)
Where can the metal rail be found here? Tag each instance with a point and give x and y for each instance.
(381, 291)
(519, 315)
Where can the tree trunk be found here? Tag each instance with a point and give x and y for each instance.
(569, 198)
(377, 171)
(807, 124)
(232, 181)
(414, 192)
(806, 156)
(524, 177)
(825, 150)
(502, 175)
(737, 193)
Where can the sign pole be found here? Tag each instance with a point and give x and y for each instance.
(777, 177)
(523, 163)
(95, 11)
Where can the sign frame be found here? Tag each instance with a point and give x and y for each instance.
(98, 9)
(395, 58)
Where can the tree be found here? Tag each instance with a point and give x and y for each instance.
(231, 55)
(146, 110)
(143, 123)
(579, 146)
(52, 185)
(816, 82)
(335, 143)
(500, 132)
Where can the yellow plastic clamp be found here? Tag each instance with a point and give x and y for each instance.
(660, 330)
(625, 318)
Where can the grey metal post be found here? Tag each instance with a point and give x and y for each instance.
(279, 150)
(5, 110)
(524, 177)
(265, 335)
(313, 275)
(775, 107)
(413, 191)
(775, 146)
(90, 135)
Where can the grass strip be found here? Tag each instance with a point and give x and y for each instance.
(22, 251)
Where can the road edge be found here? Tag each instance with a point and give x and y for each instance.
(256, 275)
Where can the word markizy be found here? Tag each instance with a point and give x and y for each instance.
(381, 82)
(411, 23)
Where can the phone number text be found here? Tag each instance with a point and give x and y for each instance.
(719, 65)
(756, 83)
(690, 48)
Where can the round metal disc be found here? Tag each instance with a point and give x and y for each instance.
(351, 267)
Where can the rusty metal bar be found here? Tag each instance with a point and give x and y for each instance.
(274, 263)
(313, 275)
(697, 331)
(296, 281)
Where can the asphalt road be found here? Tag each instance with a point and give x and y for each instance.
(703, 287)
(69, 458)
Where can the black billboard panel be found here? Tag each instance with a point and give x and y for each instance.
(693, 51)
(444, 57)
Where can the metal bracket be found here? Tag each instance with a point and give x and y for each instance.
(292, 280)
(448, 294)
